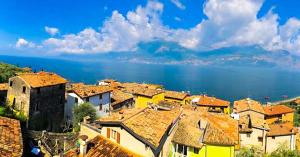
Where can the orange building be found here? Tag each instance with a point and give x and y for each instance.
(213, 104)
(278, 113)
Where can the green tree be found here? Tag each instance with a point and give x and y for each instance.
(284, 151)
(250, 152)
(7, 71)
(81, 111)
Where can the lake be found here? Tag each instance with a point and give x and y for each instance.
(229, 83)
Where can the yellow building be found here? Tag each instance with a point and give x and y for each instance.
(179, 97)
(205, 135)
(144, 97)
(213, 104)
(278, 113)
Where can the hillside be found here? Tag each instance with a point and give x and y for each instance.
(8, 70)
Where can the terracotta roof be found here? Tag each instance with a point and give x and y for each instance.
(282, 129)
(106, 148)
(139, 90)
(147, 123)
(42, 79)
(175, 95)
(248, 104)
(277, 109)
(141, 85)
(212, 101)
(84, 91)
(217, 129)
(246, 123)
(221, 129)
(11, 143)
(118, 96)
(3, 86)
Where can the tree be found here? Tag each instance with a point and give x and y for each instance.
(284, 151)
(81, 111)
(251, 151)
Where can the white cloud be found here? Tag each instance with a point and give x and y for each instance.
(51, 30)
(119, 32)
(178, 4)
(228, 23)
(22, 43)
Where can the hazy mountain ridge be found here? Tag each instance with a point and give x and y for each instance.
(159, 52)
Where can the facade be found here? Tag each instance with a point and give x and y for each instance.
(213, 104)
(146, 132)
(121, 100)
(98, 96)
(281, 134)
(278, 114)
(3, 93)
(11, 142)
(179, 97)
(148, 96)
(252, 124)
(40, 97)
(205, 135)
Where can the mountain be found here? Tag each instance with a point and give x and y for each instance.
(161, 52)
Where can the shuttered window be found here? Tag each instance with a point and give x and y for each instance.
(118, 137)
(108, 133)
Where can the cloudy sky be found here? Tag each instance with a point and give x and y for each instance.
(52, 27)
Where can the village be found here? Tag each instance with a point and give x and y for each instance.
(135, 119)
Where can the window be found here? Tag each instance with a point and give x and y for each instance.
(113, 134)
(100, 96)
(248, 134)
(196, 150)
(39, 90)
(181, 149)
(24, 90)
(100, 107)
(87, 99)
(10, 83)
(273, 137)
(260, 139)
(76, 100)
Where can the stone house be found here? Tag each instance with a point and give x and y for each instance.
(252, 125)
(281, 134)
(98, 96)
(40, 97)
(278, 114)
(213, 104)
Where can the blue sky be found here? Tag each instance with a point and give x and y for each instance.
(100, 26)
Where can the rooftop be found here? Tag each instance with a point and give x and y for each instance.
(103, 147)
(118, 96)
(175, 95)
(282, 129)
(84, 91)
(248, 121)
(11, 143)
(212, 101)
(42, 79)
(3, 86)
(277, 110)
(147, 123)
(248, 104)
(141, 90)
(217, 129)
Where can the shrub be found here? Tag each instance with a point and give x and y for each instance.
(81, 111)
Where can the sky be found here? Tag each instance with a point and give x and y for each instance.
(52, 27)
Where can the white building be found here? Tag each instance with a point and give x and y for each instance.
(98, 96)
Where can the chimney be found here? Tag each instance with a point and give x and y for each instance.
(83, 145)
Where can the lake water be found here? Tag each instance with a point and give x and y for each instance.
(229, 83)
